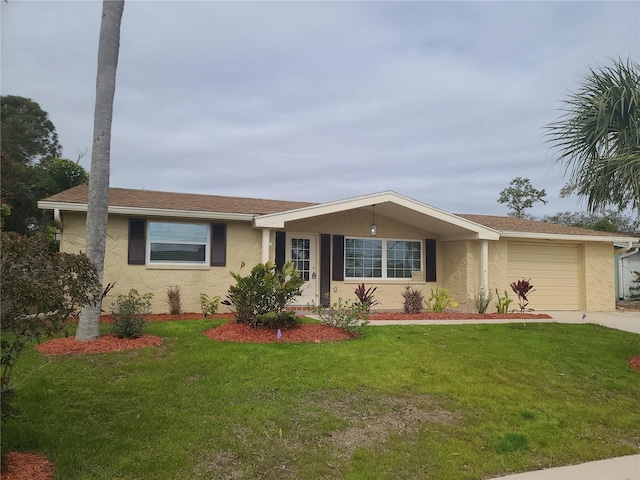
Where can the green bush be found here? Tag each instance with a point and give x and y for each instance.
(128, 311)
(345, 315)
(40, 290)
(413, 300)
(276, 320)
(439, 300)
(263, 291)
(209, 306)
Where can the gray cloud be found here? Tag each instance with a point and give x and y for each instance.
(444, 102)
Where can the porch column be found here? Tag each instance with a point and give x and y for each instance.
(484, 266)
(266, 237)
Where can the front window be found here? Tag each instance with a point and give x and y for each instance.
(381, 258)
(363, 258)
(171, 242)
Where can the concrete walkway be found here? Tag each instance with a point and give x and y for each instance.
(627, 321)
(622, 468)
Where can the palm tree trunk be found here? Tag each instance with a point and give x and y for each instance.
(97, 208)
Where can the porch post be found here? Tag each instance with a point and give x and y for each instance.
(266, 237)
(484, 266)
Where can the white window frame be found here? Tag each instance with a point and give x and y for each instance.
(384, 258)
(207, 251)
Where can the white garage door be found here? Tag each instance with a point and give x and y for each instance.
(554, 271)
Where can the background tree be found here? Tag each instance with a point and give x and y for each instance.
(97, 208)
(605, 221)
(598, 137)
(61, 174)
(27, 135)
(520, 195)
(30, 169)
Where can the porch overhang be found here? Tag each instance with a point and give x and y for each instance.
(447, 226)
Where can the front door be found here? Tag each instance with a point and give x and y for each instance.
(301, 250)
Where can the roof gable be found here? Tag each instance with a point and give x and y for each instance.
(393, 205)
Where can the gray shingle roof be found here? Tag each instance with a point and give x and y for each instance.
(123, 197)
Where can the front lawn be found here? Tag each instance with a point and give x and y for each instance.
(441, 402)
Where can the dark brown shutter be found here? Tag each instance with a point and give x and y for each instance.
(281, 249)
(218, 245)
(325, 269)
(137, 241)
(338, 258)
(430, 259)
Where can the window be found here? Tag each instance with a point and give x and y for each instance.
(178, 243)
(403, 257)
(380, 258)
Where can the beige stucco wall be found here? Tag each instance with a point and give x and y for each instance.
(458, 263)
(243, 243)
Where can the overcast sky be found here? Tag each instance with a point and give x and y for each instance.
(444, 102)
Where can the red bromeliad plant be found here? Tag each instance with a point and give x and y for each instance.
(522, 288)
(365, 295)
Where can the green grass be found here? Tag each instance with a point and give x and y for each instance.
(441, 402)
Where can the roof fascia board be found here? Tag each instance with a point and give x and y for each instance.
(150, 212)
(277, 220)
(564, 237)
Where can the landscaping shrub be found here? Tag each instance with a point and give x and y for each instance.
(365, 296)
(413, 300)
(40, 291)
(128, 311)
(439, 300)
(173, 299)
(481, 300)
(209, 306)
(278, 320)
(348, 316)
(263, 291)
(522, 288)
(502, 305)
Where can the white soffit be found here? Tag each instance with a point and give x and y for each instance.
(390, 204)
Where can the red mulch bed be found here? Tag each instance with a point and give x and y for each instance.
(634, 362)
(237, 332)
(102, 344)
(455, 316)
(26, 466)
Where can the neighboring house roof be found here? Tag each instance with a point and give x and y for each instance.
(274, 213)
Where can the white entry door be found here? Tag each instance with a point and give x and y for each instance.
(301, 250)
